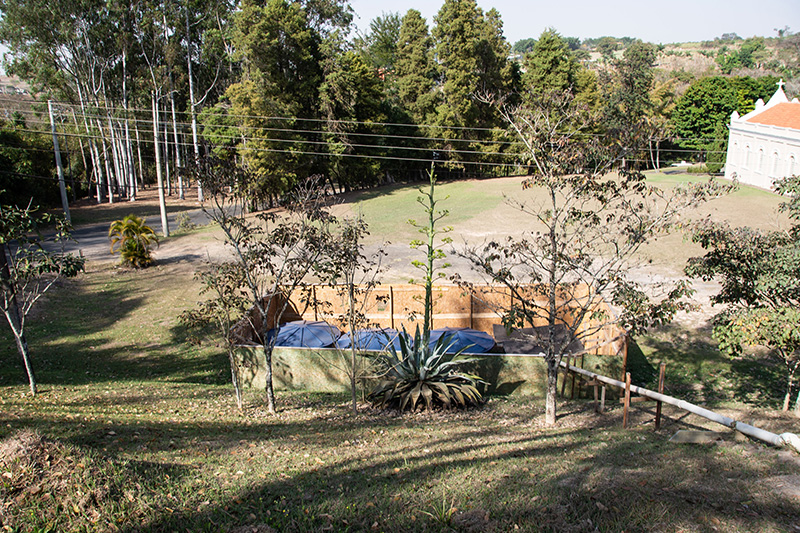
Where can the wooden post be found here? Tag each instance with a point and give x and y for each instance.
(625, 358)
(391, 306)
(572, 384)
(470, 312)
(314, 299)
(59, 166)
(627, 400)
(602, 399)
(661, 376)
(564, 379)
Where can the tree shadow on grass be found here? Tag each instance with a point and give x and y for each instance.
(71, 343)
(315, 468)
(697, 371)
(528, 480)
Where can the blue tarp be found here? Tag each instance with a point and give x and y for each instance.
(460, 338)
(372, 339)
(307, 334)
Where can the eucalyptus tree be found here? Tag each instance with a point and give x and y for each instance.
(66, 50)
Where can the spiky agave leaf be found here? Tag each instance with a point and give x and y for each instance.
(424, 376)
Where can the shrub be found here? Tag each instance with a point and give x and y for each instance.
(425, 376)
(132, 238)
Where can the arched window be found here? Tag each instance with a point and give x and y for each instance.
(760, 167)
(790, 167)
(775, 158)
(747, 156)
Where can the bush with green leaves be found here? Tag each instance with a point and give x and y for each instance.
(132, 238)
(424, 376)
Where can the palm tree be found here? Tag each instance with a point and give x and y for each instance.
(132, 238)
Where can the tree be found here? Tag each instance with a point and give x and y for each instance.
(273, 254)
(760, 277)
(706, 104)
(582, 244)
(414, 68)
(473, 61)
(379, 46)
(354, 275)
(629, 101)
(350, 102)
(280, 52)
(552, 68)
(549, 67)
(226, 305)
(25, 159)
(28, 269)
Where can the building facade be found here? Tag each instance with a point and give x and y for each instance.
(764, 145)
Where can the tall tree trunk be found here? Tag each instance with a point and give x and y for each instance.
(139, 152)
(162, 203)
(166, 155)
(109, 174)
(177, 146)
(131, 173)
(552, 392)
(192, 101)
(14, 316)
(93, 150)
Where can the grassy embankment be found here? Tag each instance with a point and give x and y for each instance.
(144, 435)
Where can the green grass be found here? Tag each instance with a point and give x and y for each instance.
(388, 209)
(152, 442)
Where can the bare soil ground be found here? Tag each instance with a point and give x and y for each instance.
(187, 250)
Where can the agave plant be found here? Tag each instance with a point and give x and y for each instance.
(132, 238)
(424, 375)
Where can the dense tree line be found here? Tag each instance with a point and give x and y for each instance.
(281, 87)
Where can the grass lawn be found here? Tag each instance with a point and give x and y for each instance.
(138, 431)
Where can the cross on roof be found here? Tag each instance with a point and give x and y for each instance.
(780, 84)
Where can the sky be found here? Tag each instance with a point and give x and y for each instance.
(657, 22)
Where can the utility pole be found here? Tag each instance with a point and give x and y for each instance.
(62, 186)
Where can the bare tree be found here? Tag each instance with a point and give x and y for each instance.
(275, 252)
(354, 276)
(28, 269)
(581, 246)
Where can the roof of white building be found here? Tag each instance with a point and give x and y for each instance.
(778, 111)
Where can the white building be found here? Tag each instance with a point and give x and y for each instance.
(764, 145)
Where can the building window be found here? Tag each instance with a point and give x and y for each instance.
(775, 159)
(760, 167)
(790, 168)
